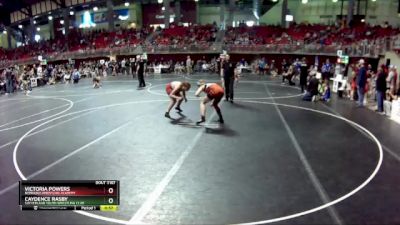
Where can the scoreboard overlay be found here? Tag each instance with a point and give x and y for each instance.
(87, 195)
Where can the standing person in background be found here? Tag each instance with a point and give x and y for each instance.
(285, 66)
(9, 81)
(380, 89)
(261, 66)
(303, 74)
(123, 67)
(133, 67)
(326, 70)
(76, 76)
(297, 65)
(272, 69)
(339, 69)
(128, 67)
(3, 82)
(25, 82)
(349, 84)
(188, 65)
(228, 71)
(140, 68)
(361, 83)
(114, 68)
(392, 80)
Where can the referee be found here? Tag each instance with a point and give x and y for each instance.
(228, 71)
(140, 70)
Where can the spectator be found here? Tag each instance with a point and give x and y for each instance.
(392, 80)
(289, 75)
(326, 91)
(189, 65)
(76, 76)
(380, 89)
(326, 69)
(312, 89)
(303, 74)
(361, 83)
(123, 67)
(9, 81)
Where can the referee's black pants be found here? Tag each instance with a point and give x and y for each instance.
(229, 84)
(141, 80)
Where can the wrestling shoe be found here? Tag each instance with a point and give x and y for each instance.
(178, 109)
(202, 120)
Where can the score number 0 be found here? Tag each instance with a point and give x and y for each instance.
(111, 191)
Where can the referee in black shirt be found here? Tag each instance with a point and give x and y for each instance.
(303, 74)
(140, 69)
(228, 71)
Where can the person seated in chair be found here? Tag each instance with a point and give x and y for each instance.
(289, 75)
(326, 91)
(312, 88)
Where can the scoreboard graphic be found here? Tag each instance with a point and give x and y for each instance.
(88, 195)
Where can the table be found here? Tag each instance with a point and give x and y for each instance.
(241, 68)
(395, 114)
(157, 69)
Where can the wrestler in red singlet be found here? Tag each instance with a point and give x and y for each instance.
(176, 91)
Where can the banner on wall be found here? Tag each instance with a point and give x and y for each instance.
(101, 17)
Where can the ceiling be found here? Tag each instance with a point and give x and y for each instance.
(8, 6)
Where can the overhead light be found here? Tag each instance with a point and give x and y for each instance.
(126, 4)
(274, 0)
(163, 8)
(304, 1)
(334, 0)
(160, 1)
(250, 23)
(71, 13)
(34, 22)
(374, 0)
(4, 32)
(37, 37)
(289, 18)
(362, 20)
(123, 17)
(61, 21)
(50, 18)
(38, 28)
(95, 8)
(20, 26)
(196, 0)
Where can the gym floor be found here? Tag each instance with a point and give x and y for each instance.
(276, 159)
